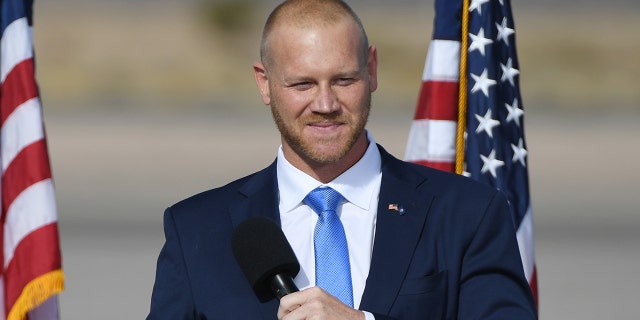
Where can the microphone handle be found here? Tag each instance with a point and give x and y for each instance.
(282, 284)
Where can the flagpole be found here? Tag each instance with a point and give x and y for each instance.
(462, 89)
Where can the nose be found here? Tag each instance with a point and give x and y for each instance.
(325, 101)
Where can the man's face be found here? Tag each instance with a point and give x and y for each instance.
(318, 83)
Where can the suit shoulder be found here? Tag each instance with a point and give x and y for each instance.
(447, 184)
(220, 196)
(438, 182)
(442, 176)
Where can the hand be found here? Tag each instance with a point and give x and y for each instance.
(315, 304)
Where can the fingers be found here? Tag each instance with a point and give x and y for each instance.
(293, 301)
(315, 304)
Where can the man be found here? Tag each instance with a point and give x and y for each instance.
(422, 244)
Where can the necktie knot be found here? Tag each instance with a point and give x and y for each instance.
(323, 199)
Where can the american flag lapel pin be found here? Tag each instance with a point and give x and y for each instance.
(397, 208)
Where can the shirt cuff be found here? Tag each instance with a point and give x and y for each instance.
(368, 316)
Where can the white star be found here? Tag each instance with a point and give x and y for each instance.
(486, 123)
(514, 112)
(508, 72)
(478, 42)
(519, 153)
(482, 83)
(477, 4)
(491, 164)
(503, 31)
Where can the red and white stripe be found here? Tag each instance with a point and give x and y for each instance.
(29, 237)
(432, 138)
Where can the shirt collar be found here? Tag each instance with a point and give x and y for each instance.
(357, 184)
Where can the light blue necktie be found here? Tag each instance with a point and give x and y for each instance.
(333, 272)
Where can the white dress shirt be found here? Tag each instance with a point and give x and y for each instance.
(360, 186)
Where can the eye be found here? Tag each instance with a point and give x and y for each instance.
(345, 81)
(302, 85)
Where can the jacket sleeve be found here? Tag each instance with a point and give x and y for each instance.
(172, 297)
(493, 285)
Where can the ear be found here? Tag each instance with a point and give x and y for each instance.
(262, 80)
(372, 68)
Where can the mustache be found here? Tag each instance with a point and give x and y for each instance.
(334, 117)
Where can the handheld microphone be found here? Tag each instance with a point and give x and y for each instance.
(266, 258)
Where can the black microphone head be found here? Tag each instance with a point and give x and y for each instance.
(262, 251)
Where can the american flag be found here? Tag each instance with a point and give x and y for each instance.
(31, 274)
(469, 116)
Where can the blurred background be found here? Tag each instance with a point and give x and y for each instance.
(147, 102)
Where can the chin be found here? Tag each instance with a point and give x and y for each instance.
(324, 155)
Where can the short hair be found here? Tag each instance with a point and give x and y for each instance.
(308, 13)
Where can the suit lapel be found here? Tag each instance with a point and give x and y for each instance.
(398, 230)
(260, 199)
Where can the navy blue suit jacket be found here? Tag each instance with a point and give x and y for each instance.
(452, 255)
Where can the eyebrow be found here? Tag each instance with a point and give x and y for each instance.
(294, 79)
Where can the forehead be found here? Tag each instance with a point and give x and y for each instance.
(316, 43)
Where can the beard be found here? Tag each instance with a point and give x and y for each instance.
(325, 150)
